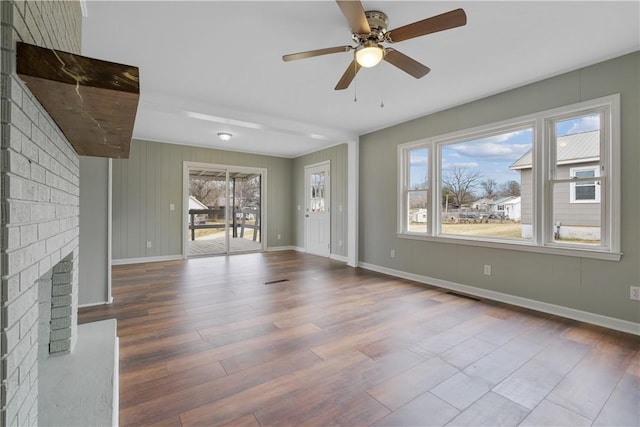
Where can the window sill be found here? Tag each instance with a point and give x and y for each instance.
(517, 246)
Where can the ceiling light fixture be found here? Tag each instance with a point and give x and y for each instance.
(369, 55)
(224, 136)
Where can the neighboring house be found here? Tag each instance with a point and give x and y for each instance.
(512, 208)
(508, 207)
(482, 204)
(499, 206)
(197, 204)
(419, 217)
(576, 206)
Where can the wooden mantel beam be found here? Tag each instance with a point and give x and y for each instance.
(94, 102)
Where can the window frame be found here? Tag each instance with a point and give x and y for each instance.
(404, 168)
(542, 170)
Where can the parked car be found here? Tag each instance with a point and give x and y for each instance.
(468, 215)
(495, 216)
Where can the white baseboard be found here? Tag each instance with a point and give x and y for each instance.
(341, 258)
(281, 248)
(115, 416)
(570, 313)
(336, 257)
(126, 261)
(93, 304)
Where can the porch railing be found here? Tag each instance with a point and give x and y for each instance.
(238, 223)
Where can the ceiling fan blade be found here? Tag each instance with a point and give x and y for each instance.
(317, 52)
(405, 63)
(348, 75)
(354, 12)
(445, 21)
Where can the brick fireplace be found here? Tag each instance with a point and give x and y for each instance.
(40, 212)
(57, 325)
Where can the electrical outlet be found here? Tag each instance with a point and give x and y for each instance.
(339, 242)
(393, 253)
(148, 243)
(487, 270)
(278, 236)
(635, 293)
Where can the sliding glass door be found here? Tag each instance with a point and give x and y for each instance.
(224, 209)
(244, 230)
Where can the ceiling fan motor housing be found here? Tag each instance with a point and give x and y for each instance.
(378, 22)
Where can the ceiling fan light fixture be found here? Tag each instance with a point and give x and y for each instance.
(369, 55)
(224, 136)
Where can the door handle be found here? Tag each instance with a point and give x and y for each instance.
(307, 215)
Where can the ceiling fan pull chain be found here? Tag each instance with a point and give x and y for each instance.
(355, 92)
(355, 81)
(382, 87)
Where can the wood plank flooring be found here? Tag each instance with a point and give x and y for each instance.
(205, 342)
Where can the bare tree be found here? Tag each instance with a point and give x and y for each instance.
(206, 191)
(200, 189)
(490, 188)
(510, 188)
(460, 182)
(247, 192)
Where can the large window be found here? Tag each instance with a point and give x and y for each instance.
(548, 182)
(481, 193)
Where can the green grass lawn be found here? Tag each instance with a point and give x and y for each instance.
(507, 229)
(504, 230)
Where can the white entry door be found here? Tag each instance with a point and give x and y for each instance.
(317, 224)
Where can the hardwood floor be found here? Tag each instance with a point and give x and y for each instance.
(206, 342)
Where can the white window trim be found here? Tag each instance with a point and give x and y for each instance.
(542, 241)
(403, 187)
(573, 184)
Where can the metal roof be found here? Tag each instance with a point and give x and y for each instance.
(575, 148)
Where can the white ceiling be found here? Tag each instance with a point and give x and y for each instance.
(222, 61)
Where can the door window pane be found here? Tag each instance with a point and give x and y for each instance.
(317, 197)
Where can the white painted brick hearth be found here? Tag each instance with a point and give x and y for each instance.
(39, 173)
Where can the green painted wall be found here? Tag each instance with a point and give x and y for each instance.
(94, 268)
(595, 286)
(151, 179)
(337, 155)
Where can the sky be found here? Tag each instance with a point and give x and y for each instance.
(493, 155)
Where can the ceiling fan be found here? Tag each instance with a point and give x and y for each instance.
(369, 31)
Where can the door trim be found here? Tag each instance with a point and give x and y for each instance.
(327, 165)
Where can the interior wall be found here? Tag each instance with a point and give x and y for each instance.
(151, 179)
(337, 155)
(589, 285)
(95, 230)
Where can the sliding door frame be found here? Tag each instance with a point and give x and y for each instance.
(187, 166)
